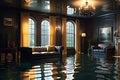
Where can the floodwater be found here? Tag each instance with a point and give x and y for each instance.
(82, 67)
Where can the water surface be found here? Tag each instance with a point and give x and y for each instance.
(88, 67)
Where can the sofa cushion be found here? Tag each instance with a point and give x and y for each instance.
(39, 49)
(43, 49)
(50, 48)
(102, 45)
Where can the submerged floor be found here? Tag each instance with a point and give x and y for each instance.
(87, 67)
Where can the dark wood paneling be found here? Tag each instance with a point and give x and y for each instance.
(104, 21)
(9, 33)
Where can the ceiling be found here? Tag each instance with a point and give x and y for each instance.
(101, 6)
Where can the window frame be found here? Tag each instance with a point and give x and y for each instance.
(34, 31)
(69, 35)
(45, 33)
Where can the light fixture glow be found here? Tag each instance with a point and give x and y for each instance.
(86, 9)
(83, 34)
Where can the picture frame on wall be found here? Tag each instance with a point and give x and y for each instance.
(8, 21)
(9, 1)
(105, 34)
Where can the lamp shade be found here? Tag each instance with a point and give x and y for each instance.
(83, 34)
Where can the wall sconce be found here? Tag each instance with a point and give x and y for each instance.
(58, 28)
(83, 34)
(27, 2)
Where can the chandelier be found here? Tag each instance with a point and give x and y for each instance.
(86, 10)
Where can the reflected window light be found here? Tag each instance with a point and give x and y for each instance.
(47, 5)
(37, 66)
(48, 78)
(37, 69)
(70, 77)
(38, 75)
(38, 79)
(47, 73)
(70, 10)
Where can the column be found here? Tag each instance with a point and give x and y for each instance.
(64, 35)
(52, 30)
(77, 43)
(24, 37)
(77, 37)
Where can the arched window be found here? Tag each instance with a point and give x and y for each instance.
(45, 31)
(70, 34)
(32, 32)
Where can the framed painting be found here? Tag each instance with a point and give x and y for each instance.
(8, 21)
(105, 34)
(10, 1)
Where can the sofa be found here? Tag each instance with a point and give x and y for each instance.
(103, 50)
(100, 48)
(40, 52)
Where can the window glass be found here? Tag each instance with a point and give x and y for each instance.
(45, 32)
(70, 34)
(70, 10)
(32, 32)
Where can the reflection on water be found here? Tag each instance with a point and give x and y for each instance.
(87, 68)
